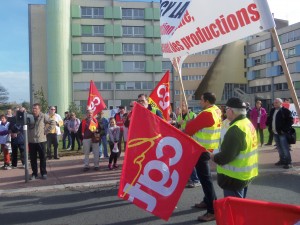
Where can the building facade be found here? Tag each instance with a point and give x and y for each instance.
(266, 79)
(116, 44)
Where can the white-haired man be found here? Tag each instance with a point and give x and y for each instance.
(237, 163)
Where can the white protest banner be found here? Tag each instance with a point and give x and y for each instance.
(171, 16)
(292, 108)
(209, 24)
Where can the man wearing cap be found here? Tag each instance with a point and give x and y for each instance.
(120, 122)
(206, 129)
(237, 163)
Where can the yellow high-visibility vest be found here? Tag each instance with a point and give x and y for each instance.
(209, 137)
(245, 165)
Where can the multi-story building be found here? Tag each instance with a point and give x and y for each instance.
(265, 75)
(116, 44)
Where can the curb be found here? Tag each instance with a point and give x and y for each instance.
(61, 187)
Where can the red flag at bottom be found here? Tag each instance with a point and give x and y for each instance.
(238, 211)
(158, 162)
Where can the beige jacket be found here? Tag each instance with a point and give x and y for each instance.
(37, 132)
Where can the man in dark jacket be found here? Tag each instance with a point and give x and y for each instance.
(281, 120)
(17, 139)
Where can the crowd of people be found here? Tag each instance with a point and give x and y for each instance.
(229, 134)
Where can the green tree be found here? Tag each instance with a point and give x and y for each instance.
(75, 109)
(26, 105)
(3, 95)
(40, 97)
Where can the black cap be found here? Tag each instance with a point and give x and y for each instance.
(121, 107)
(236, 103)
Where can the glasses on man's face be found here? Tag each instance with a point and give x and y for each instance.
(52, 109)
(141, 100)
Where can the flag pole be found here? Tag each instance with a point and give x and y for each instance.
(285, 70)
(181, 83)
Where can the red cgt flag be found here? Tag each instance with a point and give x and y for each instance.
(95, 101)
(237, 211)
(158, 163)
(160, 96)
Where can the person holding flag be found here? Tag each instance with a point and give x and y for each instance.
(95, 102)
(206, 130)
(88, 128)
(160, 96)
(143, 100)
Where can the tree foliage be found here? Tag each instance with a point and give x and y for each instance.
(40, 98)
(75, 109)
(26, 105)
(3, 95)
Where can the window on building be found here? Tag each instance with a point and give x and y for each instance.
(130, 85)
(120, 85)
(106, 86)
(98, 30)
(92, 12)
(281, 87)
(133, 14)
(147, 85)
(86, 48)
(134, 66)
(297, 85)
(197, 65)
(138, 85)
(131, 31)
(290, 36)
(99, 66)
(166, 66)
(259, 46)
(93, 66)
(88, 30)
(92, 48)
(133, 49)
(81, 86)
(87, 66)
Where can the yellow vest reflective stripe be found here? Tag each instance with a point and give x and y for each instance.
(245, 165)
(209, 137)
(186, 118)
(153, 109)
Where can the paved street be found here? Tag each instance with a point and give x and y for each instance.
(70, 196)
(102, 206)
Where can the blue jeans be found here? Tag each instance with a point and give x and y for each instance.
(194, 177)
(283, 148)
(66, 136)
(204, 174)
(239, 193)
(103, 146)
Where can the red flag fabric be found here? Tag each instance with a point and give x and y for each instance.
(237, 211)
(158, 163)
(95, 101)
(160, 96)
